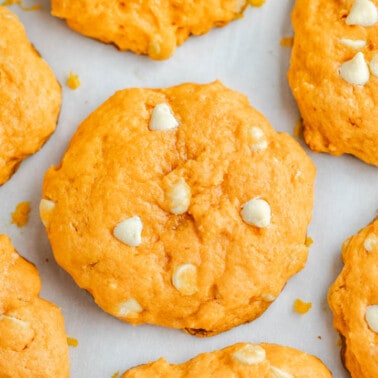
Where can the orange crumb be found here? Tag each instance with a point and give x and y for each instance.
(21, 215)
(116, 374)
(308, 241)
(298, 129)
(256, 3)
(22, 6)
(73, 81)
(287, 41)
(72, 342)
(301, 307)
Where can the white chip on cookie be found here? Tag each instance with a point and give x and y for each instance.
(178, 196)
(354, 43)
(374, 65)
(129, 231)
(257, 138)
(184, 279)
(356, 70)
(279, 373)
(250, 354)
(362, 13)
(129, 307)
(372, 317)
(45, 209)
(371, 243)
(162, 118)
(256, 212)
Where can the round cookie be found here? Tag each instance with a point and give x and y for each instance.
(353, 299)
(180, 207)
(333, 75)
(147, 26)
(242, 360)
(33, 342)
(30, 96)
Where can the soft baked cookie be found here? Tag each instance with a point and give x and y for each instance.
(334, 75)
(239, 360)
(30, 96)
(180, 207)
(148, 27)
(33, 342)
(353, 299)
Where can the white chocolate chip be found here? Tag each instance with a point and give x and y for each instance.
(371, 243)
(184, 279)
(45, 209)
(257, 139)
(129, 231)
(356, 70)
(267, 297)
(374, 65)
(178, 196)
(280, 373)
(250, 354)
(129, 308)
(162, 118)
(372, 317)
(256, 212)
(362, 13)
(354, 43)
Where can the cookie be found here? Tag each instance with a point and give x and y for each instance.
(180, 207)
(241, 360)
(353, 299)
(33, 342)
(333, 75)
(146, 26)
(30, 96)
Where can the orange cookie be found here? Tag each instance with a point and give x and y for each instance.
(180, 207)
(33, 342)
(334, 75)
(30, 96)
(239, 360)
(353, 299)
(148, 27)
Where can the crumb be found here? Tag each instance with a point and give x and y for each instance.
(47, 260)
(287, 41)
(309, 241)
(301, 307)
(256, 3)
(298, 129)
(116, 374)
(21, 215)
(22, 6)
(72, 342)
(319, 337)
(73, 81)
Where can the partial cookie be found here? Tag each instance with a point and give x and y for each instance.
(334, 75)
(353, 299)
(239, 360)
(30, 96)
(33, 342)
(148, 27)
(180, 207)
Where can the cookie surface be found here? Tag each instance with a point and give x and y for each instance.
(166, 209)
(353, 299)
(30, 96)
(146, 27)
(334, 75)
(241, 360)
(33, 342)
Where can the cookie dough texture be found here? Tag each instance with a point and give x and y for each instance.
(30, 96)
(146, 209)
(338, 117)
(352, 297)
(240, 360)
(148, 27)
(33, 342)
